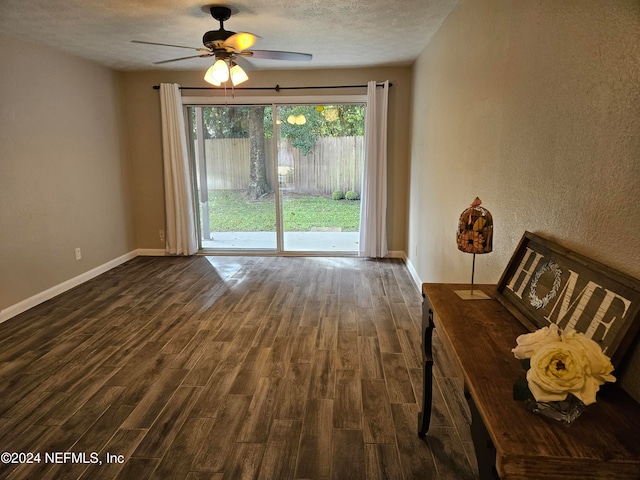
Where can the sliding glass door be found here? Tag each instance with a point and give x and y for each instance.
(234, 177)
(320, 159)
(278, 178)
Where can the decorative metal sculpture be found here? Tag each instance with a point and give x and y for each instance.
(475, 234)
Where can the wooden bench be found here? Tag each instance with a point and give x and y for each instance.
(511, 442)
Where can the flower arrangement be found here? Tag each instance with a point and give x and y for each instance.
(560, 365)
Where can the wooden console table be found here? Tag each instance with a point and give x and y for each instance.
(604, 443)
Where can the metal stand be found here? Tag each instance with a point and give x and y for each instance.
(473, 271)
(470, 294)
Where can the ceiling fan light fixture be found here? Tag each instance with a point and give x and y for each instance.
(208, 77)
(330, 114)
(219, 71)
(238, 75)
(297, 119)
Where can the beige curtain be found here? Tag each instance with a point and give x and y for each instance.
(180, 227)
(373, 206)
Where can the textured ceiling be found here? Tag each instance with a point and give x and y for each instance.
(339, 33)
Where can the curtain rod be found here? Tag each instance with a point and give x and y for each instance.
(277, 88)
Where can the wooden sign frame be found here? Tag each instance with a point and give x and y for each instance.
(545, 283)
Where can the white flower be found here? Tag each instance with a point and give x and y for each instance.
(598, 366)
(529, 343)
(563, 363)
(556, 370)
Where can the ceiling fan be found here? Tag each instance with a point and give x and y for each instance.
(228, 48)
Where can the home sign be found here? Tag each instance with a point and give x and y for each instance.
(545, 283)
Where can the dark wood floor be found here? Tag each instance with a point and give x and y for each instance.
(228, 368)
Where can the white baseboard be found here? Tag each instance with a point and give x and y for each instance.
(151, 252)
(397, 254)
(414, 274)
(48, 294)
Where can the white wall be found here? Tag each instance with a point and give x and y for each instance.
(533, 107)
(62, 170)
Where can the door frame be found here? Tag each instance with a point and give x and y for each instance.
(273, 101)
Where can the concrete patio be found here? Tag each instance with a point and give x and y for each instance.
(334, 242)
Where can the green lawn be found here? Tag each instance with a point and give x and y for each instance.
(232, 211)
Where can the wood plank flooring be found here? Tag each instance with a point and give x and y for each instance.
(228, 368)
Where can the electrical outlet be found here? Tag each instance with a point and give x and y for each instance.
(78, 254)
(161, 232)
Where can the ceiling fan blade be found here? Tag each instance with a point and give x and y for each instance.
(276, 55)
(240, 41)
(244, 63)
(170, 45)
(210, 54)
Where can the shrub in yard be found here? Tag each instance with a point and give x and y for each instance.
(351, 195)
(337, 195)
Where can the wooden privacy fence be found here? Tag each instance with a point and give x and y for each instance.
(335, 163)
